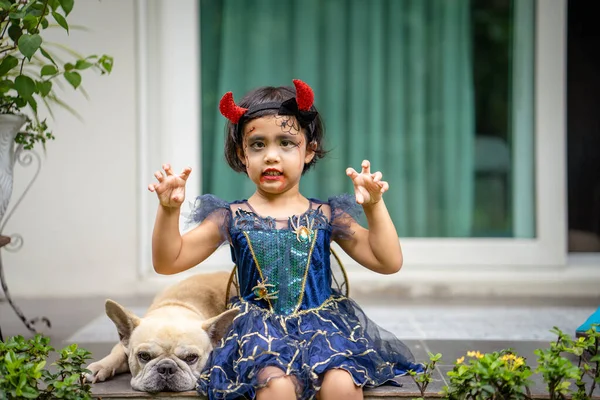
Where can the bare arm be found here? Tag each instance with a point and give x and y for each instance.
(377, 248)
(172, 252)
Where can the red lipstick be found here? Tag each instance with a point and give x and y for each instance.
(271, 174)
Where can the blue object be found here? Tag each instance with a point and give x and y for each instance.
(587, 325)
(291, 314)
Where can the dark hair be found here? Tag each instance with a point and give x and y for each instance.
(234, 135)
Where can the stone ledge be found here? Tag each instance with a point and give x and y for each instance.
(120, 389)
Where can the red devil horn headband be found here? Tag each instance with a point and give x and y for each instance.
(304, 95)
(301, 103)
(229, 109)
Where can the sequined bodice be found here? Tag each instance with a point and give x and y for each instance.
(285, 270)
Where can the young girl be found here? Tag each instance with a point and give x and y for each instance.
(295, 335)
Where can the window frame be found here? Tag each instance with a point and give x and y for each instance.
(169, 122)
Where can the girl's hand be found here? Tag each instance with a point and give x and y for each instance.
(368, 187)
(170, 188)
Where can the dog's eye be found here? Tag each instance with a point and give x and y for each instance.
(191, 358)
(144, 356)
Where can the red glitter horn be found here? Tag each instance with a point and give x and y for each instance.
(229, 109)
(304, 95)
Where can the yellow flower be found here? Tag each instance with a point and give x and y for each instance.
(475, 354)
(460, 360)
(519, 361)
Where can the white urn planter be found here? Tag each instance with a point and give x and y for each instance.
(9, 128)
(10, 153)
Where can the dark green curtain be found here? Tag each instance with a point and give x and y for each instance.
(392, 80)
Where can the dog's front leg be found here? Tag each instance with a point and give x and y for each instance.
(111, 365)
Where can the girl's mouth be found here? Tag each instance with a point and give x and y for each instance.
(271, 175)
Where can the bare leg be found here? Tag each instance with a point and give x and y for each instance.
(279, 385)
(338, 385)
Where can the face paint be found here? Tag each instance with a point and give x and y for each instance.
(274, 152)
(287, 124)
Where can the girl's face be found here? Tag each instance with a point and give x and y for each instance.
(274, 153)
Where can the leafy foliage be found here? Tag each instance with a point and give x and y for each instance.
(23, 374)
(505, 375)
(29, 71)
(559, 372)
(423, 379)
(497, 375)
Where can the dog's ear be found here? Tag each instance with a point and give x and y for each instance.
(217, 327)
(124, 320)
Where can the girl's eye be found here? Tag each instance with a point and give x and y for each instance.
(257, 145)
(287, 143)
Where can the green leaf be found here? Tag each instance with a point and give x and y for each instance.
(8, 63)
(73, 78)
(5, 86)
(54, 4)
(107, 62)
(47, 55)
(45, 23)
(48, 70)
(30, 393)
(17, 15)
(37, 12)
(10, 357)
(25, 86)
(15, 32)
(22, 381)
(4, 5)
(67, 5)
(82, 64)
(32, 103)
(28, 44)
(61, 20)
(20, 102)
(29, 22)
(44, 87)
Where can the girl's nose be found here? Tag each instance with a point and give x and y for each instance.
(272, 154)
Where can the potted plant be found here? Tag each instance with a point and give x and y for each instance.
(30, 73)
(29, 76)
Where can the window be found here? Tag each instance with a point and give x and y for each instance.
(438, 95)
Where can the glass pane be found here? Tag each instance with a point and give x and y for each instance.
(583, 129)
(438, 95)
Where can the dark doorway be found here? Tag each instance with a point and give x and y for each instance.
(583, 128)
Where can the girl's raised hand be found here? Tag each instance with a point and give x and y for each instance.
(368, 187)
(170, 188)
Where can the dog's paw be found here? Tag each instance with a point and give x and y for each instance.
(99, 372)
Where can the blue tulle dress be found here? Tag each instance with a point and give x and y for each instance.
(292, 314)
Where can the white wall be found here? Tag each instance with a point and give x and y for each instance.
(79, 220)
(86, 220)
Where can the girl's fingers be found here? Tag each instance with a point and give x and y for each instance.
(167, 168)
(384, 187)
(377, 176)
(159, 176)
(359, 196)
(366, 167)
(366, 194)
(351, 172)
(185, 173)
(151, 187)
